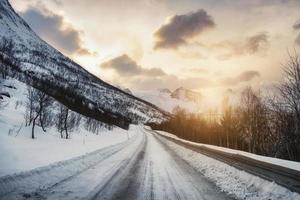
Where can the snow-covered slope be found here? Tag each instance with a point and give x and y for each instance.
(33, 61)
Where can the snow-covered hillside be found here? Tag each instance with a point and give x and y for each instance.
(31, 60)
(18, 152)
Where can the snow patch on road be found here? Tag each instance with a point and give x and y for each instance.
(237, 183)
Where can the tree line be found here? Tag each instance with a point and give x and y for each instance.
(44, 111)
(268, 126)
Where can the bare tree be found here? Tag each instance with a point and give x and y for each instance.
(62, 120)
(29, 106)
(93, 125)
(229, 123)
(37, 107)
(254, 120)
(1, 97)
(67, 121)
(288, 107)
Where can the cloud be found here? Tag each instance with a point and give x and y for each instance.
(199, 70)
(296, 26)
(171, 82)
(180, 28)
(243, 77)
(54, 30)
(258, 43)
(125, 66)
(130, 74)
(298, 39)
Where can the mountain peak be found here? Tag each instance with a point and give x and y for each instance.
(165, 90)
(181, 88)
(186, 94)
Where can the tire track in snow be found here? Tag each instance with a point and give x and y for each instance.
(160, 174)
(119, 183)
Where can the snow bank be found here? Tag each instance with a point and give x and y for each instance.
(21, 153)
(237, 183)
(276, 161)
(18, 152)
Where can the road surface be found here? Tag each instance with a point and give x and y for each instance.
(141, 168)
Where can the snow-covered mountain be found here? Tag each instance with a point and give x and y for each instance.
(165, 90)
(167, 100)
(25, 56)
(185, 94)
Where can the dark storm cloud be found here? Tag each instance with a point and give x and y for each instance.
(125, 66)
(243, 77)
(182, 27)
(51, 27)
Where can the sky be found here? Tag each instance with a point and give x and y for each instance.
(209, 46)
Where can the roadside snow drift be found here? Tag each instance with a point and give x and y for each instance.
(276, 161)
(237, 183)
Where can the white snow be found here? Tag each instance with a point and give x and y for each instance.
(21, 153)
(18, 152)
(276, 161)
(237, 183)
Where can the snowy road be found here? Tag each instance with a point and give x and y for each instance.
(141, 168)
